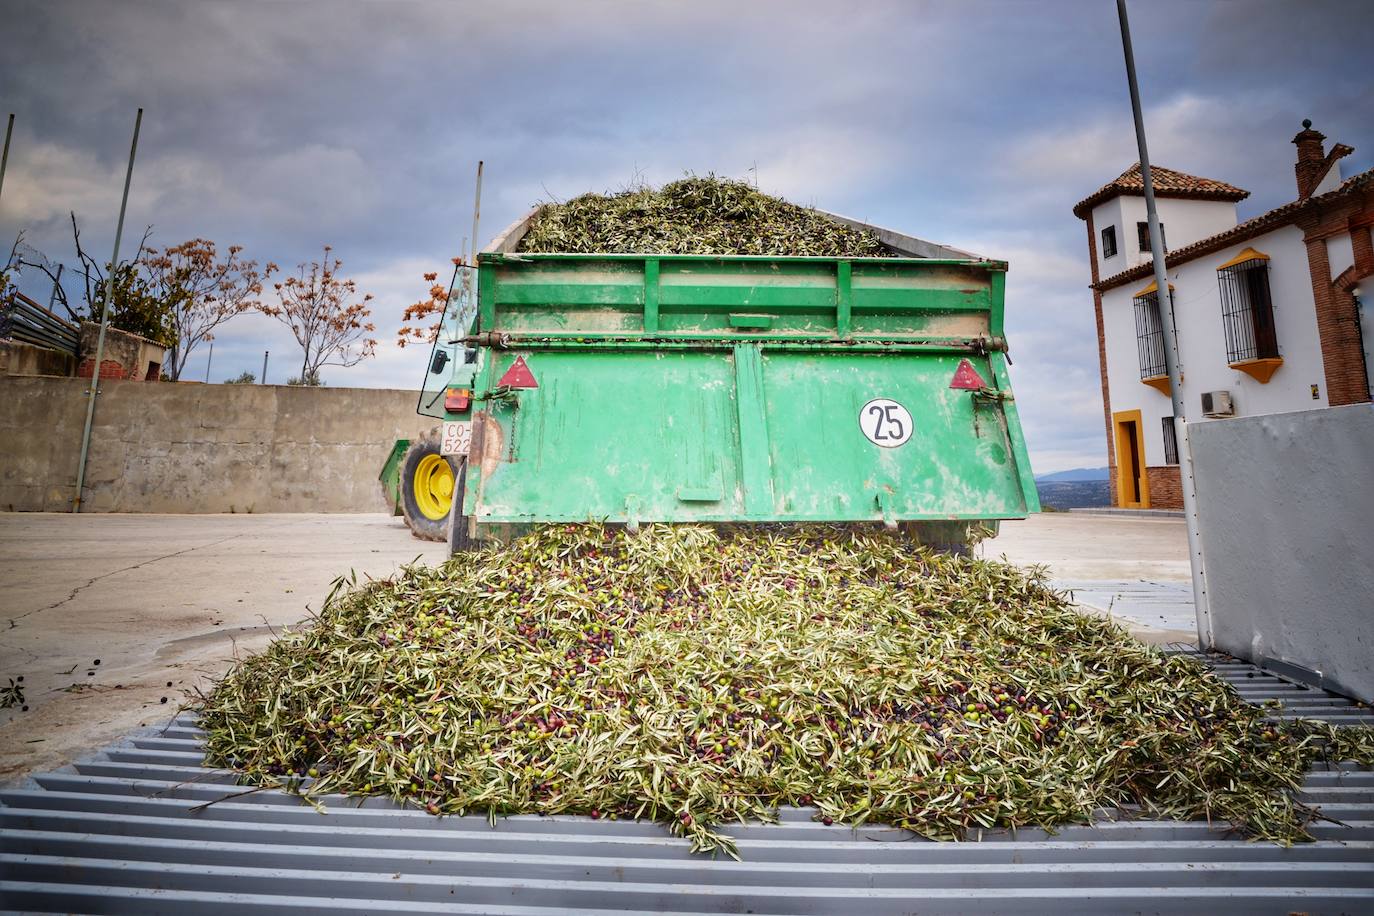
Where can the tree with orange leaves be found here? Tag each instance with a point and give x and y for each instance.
(420, 312)
(200, 291)
(315, 306)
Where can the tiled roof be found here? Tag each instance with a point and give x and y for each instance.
(1279, 216)
(1168, 183)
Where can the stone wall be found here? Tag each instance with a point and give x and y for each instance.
(187, 448)
(126, 355)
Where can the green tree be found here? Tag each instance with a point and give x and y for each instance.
(243, 378)
(136, 307)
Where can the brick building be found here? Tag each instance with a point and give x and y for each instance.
(1267, 311)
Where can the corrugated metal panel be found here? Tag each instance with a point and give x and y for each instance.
(25, 320)
(120, 833)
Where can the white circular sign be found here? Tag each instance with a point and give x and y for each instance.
(885, 422)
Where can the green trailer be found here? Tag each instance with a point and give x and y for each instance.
(630, 388)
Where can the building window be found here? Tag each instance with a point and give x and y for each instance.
(1142, 231)
(1170, 442)
(1247, 311)
(1109, 242)
(1149, 333)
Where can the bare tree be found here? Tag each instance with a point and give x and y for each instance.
(315, 306)
(92, 275)
(204, 291)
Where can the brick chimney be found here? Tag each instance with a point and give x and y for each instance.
(1313, 161)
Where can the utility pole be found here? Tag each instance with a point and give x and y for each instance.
(263, 380)
(104, 320)
(1166, 319)
(208, 360)
(56, 285)
(457, 523)
(5, 156)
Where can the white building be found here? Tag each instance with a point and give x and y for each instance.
(1267, 311)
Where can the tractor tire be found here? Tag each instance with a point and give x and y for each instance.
(429, 482)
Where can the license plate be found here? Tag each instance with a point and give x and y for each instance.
(456, 439)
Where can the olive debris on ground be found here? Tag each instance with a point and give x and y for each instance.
(701, 676)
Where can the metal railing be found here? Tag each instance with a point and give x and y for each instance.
(1247, 311)
(1170, 441)
(1149, 335)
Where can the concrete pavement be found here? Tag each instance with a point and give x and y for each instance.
(1131, 569)
(166, 602)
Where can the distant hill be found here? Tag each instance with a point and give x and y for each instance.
(1073, 494)
(1076, 475)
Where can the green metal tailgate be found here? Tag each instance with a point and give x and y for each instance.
(710, 388)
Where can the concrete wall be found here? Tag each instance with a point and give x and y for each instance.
(180, 447)
(19, 358)
(1287, 508)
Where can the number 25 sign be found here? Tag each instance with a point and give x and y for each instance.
(885, 422)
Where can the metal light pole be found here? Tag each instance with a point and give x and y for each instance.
(458, 539)
(5, 156)
(263, 380)
(56, 285)
(1166, 316)
(208, 360)
(104, 321)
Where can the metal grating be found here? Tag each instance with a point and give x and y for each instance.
(119, 833)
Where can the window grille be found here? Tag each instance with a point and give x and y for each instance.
(1149, 335)
(1142, 231)
(1170, 442)
(1109, 242)
(1247, 311)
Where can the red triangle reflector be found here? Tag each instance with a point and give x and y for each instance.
(518, 375)
(967, 377)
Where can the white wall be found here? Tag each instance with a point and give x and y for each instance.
(1185, 222)
(1202, 340)
(1284, 516)
(1109, 214)
(1340, 251)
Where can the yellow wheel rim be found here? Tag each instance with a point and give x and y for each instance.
(433, 487)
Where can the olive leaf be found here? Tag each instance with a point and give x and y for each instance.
(700, 676)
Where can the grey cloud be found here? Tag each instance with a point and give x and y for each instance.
(281, 126)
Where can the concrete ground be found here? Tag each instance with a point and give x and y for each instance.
(104, 616)
(1134, 570)
(164, 602)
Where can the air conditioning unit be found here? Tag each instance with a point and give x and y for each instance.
(1217, 404)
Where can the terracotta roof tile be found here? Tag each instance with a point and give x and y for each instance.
(1168, 183)
(1279, 216)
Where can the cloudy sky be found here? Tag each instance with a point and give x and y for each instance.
(285, 126)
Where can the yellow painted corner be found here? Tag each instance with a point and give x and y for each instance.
(1261, 370)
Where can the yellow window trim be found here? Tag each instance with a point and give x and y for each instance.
(1160, 383)
(1261, 370)
(1151, 288)
(1248, 254)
